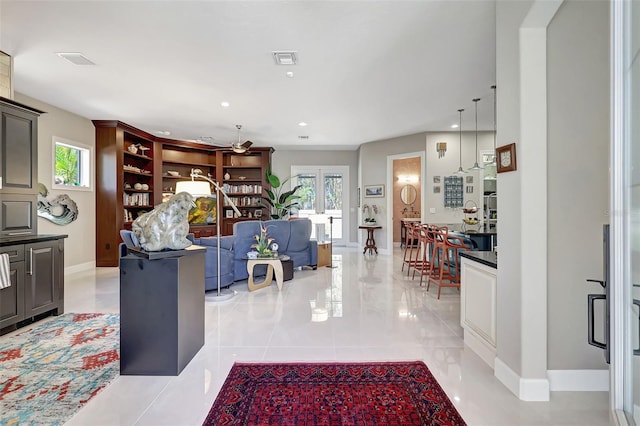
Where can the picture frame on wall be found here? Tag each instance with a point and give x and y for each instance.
(506, 158)
(436, 189)
(436, 179)
(469, 179)
(228, 214)
(469, 189)
(374, 191)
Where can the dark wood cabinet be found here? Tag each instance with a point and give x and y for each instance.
(12, 297)
(18, 168)
(19, 153)
(42, 284)
(37, 280)
(125, 186)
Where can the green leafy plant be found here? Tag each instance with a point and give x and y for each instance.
(278, 202)
(67, 165)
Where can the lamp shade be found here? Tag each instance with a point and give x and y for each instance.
(194, 187)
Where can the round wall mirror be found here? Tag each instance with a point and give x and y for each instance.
(408, 194)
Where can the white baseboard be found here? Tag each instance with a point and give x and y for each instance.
(80, 267)
(578, 380)
(480, 347)
(524, 389)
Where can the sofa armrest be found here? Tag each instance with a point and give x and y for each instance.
(313, 251)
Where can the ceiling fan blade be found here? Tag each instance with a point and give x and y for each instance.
(247, 144)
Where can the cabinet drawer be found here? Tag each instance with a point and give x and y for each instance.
(18, 215)
(16, 253)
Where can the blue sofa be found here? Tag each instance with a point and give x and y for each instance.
(292, 236)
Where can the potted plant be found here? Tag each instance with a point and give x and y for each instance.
(278, 202)
(263, 243)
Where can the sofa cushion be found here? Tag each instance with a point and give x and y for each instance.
(300, 234)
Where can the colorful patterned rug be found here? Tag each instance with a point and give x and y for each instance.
(345, 394)
(49, 370)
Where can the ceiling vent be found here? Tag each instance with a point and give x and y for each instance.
(303, 137)
(285, 58)
(75, 58)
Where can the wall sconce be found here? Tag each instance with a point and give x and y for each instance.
(441, 147)
(408, 178)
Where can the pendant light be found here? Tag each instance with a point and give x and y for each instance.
(460, 170)
(476, 166)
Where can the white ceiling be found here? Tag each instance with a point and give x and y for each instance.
(367, 70)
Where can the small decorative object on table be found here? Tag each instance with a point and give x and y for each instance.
(369, 212)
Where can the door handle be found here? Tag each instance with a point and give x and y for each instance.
(591, 338)
(601, 282)
(636, 302)
(31, 261)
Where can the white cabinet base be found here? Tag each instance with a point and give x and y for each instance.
(478, 308)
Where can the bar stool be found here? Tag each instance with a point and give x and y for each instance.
(408, 257)
(446, 273)
(429, 256)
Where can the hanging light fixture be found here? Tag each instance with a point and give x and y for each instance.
(460, 170)
(238, 147)
(476, 166)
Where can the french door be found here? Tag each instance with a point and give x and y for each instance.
(625, 219)
(324, 195)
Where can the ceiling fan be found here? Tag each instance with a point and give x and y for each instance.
(238, 147)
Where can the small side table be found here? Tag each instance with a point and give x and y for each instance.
(371, 241)
(324, 254)
(274, 264)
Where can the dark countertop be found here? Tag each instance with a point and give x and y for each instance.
(471, 229)
(25, 239)
(488, 258)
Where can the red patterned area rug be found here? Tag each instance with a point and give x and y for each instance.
(51, 369)
(344, 394)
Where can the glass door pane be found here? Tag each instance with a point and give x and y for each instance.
(322, 195)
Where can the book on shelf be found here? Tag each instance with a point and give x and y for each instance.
(141, 199)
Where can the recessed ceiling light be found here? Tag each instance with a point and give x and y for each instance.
(302, 124)
(454, 126)
(75, 58)
(224, 104)
(163, 132)
(284, 58)
(289, 74)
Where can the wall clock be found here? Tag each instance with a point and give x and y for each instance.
(506, 158)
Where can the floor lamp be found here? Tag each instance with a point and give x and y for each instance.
(330, 265)
(202, 189)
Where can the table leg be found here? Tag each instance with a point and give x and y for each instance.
(267, 279)
(277, 267)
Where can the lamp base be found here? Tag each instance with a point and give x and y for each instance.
(221, 296)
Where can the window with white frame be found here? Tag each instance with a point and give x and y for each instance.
(72, 165)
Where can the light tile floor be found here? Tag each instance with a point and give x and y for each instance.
(364, 309)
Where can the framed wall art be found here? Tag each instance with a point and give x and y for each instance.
(371, 191)
(506, 156)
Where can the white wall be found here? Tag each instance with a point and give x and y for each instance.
(509, 16)
(578, 192)
(373, 171)
(448, 164)
(80, 245)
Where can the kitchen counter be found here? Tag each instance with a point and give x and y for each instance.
(25, 239)
(487, 258)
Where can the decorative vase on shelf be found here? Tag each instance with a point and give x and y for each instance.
(227, 176)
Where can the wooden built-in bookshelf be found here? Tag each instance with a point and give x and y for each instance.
(155, 169)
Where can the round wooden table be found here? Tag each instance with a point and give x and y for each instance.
(371, 241)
